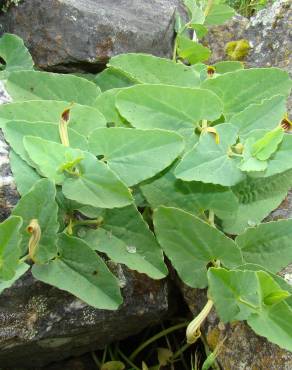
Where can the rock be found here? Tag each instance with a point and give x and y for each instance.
(41, 324)
(269, 33)
(77, 35)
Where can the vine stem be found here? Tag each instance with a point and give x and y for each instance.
(180, 351)
(155, 337)
(127, 360)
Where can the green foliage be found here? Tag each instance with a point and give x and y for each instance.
(160, 158)
(13, 55)
(247, 8)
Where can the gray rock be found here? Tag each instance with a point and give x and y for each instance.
(41, 324)
(76, 35)
(269, 33)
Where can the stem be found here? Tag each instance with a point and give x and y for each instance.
(180, 351)
(24, 258)
(104, 355)
(126, 359)
(95, 359)
(155, 337)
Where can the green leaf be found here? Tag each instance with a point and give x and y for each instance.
(255, 297)
(219, 14)
(105, 103)
(15, 55)
(195, 12)
(281, 161)
(135, 155)
(83, 119)
(192, 51)
(34, 85)
(278, 279)
(200, 30)
(9, 247)
(191, 244)
(167, 107)
(268, 144)
(14, 132)
(24, 175)
(268, 245)
(210, 162)
(111, 78)
(241, 88)
(125, 238)
(249, 163)
(227, 66)
(148, 69)
(274, 324)
(20, 270)
(96, 185)
(39, 203)
(230, 290)
(194, 197)
(265, 115)
(93, 183)
(48, 157)
(257, 198)
(80, 271)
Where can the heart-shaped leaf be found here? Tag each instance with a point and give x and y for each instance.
(191, 244)
(14, 132)
(148, 69)
(167, 107)
(210, 162)
(80, 271)
(265, 115)
(191, 196)
(34, 85)
(241, 88)
(125, 238)
(268, 245)
(135, 155)
(15, 55)
(82, 118)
